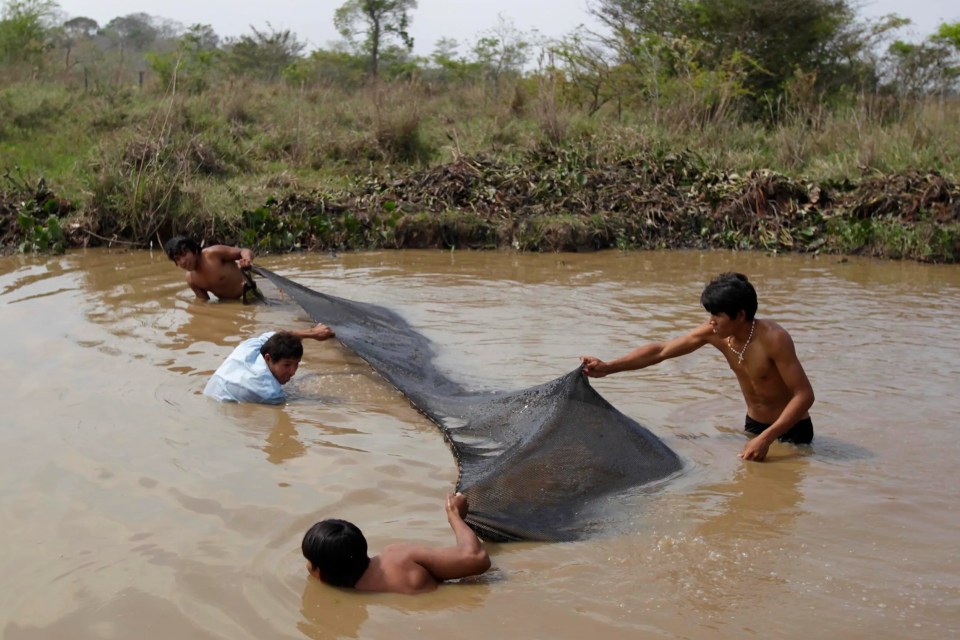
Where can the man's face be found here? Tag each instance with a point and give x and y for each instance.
(187, 261)
(723, 325)
(282, 369)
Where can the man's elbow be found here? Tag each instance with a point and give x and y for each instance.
(475, 562)
(807, 397)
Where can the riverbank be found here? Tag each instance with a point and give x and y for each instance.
(407, 165)
(549, 199)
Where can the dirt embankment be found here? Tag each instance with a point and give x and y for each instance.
(564, 201)
(558, 204)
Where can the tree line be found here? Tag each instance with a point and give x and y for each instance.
(750, 58)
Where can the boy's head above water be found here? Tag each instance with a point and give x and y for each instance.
(282, 352)
(183, 251)
(336, 552)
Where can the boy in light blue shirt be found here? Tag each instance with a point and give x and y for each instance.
(258, 367)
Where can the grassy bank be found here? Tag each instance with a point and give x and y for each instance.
(410, 165)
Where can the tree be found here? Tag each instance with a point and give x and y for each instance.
(264, 54)
(774, 38)
(779, 36)
(76, 30)
(586, 67)
(378, 21)
(132, 35)
(501, 51)
(25, 30)
(626, 18)
(948, 34)
(445, 50)
(81, 27)
(930, 67)
(133, 32)
(191, 63)
(448, 63)
(328, 67)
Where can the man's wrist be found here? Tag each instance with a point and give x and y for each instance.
(768, 435)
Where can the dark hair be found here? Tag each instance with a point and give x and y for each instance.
(282, 344)
(338, 550)
(179, 245)
(730, 293)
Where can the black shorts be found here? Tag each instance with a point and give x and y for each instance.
(800, 433)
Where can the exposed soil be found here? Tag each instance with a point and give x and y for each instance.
(563, 200)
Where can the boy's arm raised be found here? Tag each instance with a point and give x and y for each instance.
(467, 557)
(226, 253)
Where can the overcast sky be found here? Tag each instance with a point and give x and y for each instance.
(463, 20)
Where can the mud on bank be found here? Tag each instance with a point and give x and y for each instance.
(549, 200)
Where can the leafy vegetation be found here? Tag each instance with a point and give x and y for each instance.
(683, 124)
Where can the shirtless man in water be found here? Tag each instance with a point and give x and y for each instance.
(336, 553)
(760, 352)
(215, 269)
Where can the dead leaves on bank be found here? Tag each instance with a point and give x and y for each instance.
(565, 201)
(573, 199)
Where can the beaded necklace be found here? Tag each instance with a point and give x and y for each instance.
(745, 344)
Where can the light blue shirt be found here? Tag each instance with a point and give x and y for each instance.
(245, 377)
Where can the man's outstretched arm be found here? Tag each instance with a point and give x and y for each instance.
(648, 354)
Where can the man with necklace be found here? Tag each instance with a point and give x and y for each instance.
(760, 352)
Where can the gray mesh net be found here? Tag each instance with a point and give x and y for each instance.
(542, 463)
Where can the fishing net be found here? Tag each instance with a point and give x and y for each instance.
(542, 463)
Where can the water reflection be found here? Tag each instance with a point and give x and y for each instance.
(283, 442)
(107, 440)
(734, 553)
(156, 618)
(329, 613)
(760, 502)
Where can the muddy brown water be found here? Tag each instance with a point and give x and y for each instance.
(134, 507)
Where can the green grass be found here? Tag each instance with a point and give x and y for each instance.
(144, 162)
(248, 130)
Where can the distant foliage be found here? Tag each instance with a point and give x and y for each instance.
(26, 30)
(153, 126)
(764, 44)
(370, 25)
(192, 64)
(263, 54)
(928, 67)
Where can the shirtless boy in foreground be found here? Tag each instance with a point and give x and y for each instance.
(336, 554)
(215, 269)
(760, 352)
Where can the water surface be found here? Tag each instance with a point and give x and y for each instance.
(135, 507)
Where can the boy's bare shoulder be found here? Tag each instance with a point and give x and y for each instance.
(400, 570)
(221, 252)
(399, 552)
